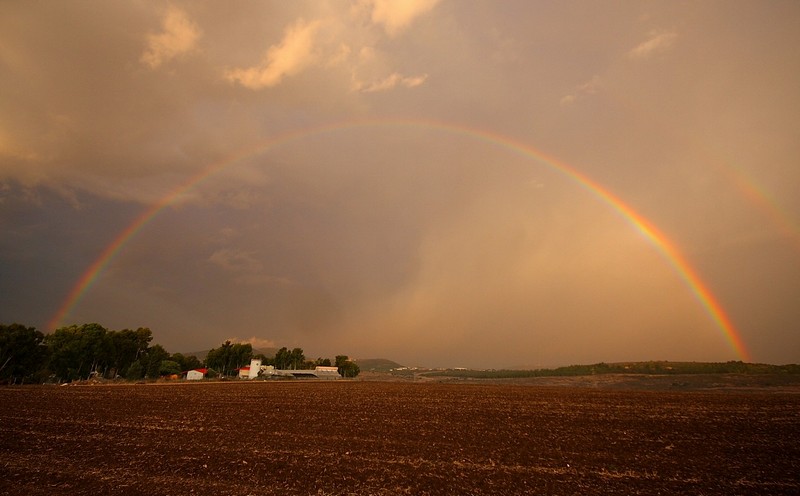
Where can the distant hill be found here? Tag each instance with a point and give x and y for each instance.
(376, 364)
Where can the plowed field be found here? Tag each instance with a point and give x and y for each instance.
(345, 437)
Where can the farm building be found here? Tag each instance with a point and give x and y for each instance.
(318, 372)
(196, 374)
(251, 371)
(255, 368)
(327, 372)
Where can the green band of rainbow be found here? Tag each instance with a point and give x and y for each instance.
(665, 247)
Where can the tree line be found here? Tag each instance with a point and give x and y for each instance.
(640, 368)
(79, 352)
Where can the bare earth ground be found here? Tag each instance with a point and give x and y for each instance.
(401, 437)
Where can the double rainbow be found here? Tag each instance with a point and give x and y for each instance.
(664, 246)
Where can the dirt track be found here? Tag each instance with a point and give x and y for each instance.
(394, 438)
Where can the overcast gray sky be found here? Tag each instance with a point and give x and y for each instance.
(357, 197)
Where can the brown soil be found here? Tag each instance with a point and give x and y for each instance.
(364, 437)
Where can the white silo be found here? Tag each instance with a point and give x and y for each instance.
(255, 368)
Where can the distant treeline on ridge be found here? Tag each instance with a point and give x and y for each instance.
(651, 368)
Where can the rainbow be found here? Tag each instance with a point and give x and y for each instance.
(753, 193)
(762, 200)
(661, 242)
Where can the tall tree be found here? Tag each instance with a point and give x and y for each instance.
(186, 362)
(229, 357)
(22, 351)
(127, 347)
(125, 351)
(219, 358)
(154, 356)
(241, 353)
(79, 351)
(297, 358)
(282, 358)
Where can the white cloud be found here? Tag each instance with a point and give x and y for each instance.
(657, 42)
(396, 15)
(294, 53)
(590, 87)
(257, 343)
(179, 36)
(390, 82)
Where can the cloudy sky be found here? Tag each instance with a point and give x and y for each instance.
(428, 181)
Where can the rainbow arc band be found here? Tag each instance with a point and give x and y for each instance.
(661, 242)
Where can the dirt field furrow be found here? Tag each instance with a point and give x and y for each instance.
(354, 438)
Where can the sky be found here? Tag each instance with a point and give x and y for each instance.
(442, 183)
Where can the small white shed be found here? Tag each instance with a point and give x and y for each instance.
(196, 374)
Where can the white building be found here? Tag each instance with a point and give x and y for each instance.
(251, 371)
(196, 374)
(255, 368)
(327, 372)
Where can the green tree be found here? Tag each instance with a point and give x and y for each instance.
(169, 367)
(186, 362)
(127, 347)
(191, 363)
(79, 351)
(98, 348)
(282, 359)
(229, 357)
(22, 352)
(297, 358)
(347, 367)
(322, 362)
(241, 354)
(135, 371)
(218, 358)
(294, 359)
(153, 358)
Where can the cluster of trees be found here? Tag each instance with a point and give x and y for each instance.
(90, 350)
(229, 357)
(84, 351)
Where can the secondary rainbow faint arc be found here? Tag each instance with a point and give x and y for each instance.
(665, 247)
